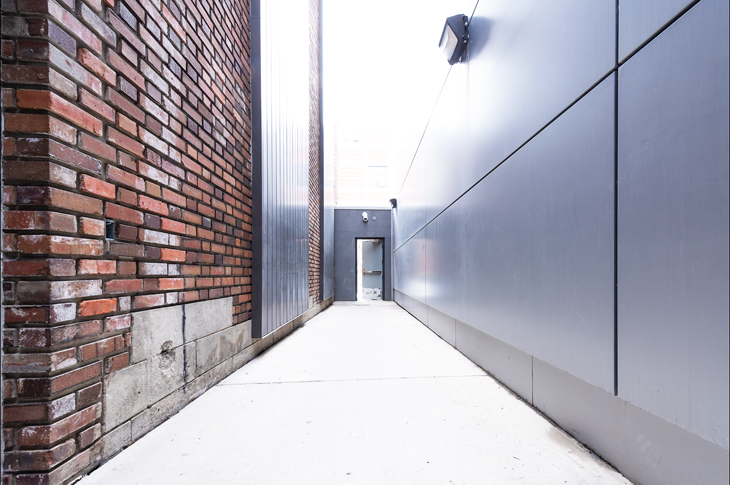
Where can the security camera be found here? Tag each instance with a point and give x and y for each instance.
(364, 216)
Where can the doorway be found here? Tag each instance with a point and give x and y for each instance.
(369, 269)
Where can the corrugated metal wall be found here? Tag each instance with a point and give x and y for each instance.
(280, 77)
(569, 202)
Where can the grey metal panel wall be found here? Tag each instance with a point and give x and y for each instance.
(673, 224)
(411, 214)
(640, 19)
(281, 162)
(518, 77)
(527, 255)
(348, 228)
(524, 253)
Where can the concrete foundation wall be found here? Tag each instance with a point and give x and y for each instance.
(179, 353)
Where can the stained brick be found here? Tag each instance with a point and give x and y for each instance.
(124, 142)
(91, 227)
(49, 434)
(120, 322)
(122, 286)
(97, 66)
(46, 337)
(96, 266)
(54, 197)
(43, 124)
(28, 460)
(32, 171)
(115, 211)
(39, 267)
(38, 362)
(97, 187)
(39, 220)
(44, 411)
(96, 105)
(86, 396)
(97, 307)
(58, 245)
(49, 100)
(125, 178)
(126, 69)
(153, 205)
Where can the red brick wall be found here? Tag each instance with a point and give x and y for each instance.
(315, 211)
(129, 111)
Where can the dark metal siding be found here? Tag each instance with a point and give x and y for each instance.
(506, 221)
(281, 141)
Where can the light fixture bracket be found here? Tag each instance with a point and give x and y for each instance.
(454, 37)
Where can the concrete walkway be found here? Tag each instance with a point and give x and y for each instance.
(361, 394)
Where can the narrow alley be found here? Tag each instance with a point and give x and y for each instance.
(363, 393)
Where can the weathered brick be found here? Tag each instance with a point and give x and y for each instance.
(118, 322)
(96, 105)
(58, 475)
(97, 187)
(49, 434)
(127, 197)
(87, 395)
(97, 25)
(100, 348)
(89, 436)
(126, 32)
(153, 205)
(31, 460)
(39, 220)
(126, 69)
(43, 411)
(122, 103)
(38, 363)
(173, 226)
(48, 100)
(154, 237)
(32, 171)
(115, 211)
(125, 249)
(124, 142)
(46, 244)
(171, 283)
(97, 66)
(91, 227)
(172, 255)
(97, 307)
(125, 178)
(127, 125)
(54, 197)
(46, 337)
(43, 75)
(96, 266)
(68, 66)
(148, 301)
(43, 124)
(123, 286)
(39, 267)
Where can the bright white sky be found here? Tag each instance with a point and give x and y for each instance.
(382, 65)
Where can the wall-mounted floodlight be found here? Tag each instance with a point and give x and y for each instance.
(454, 37)
(393, 203)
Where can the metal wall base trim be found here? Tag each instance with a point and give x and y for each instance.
(645, 448)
